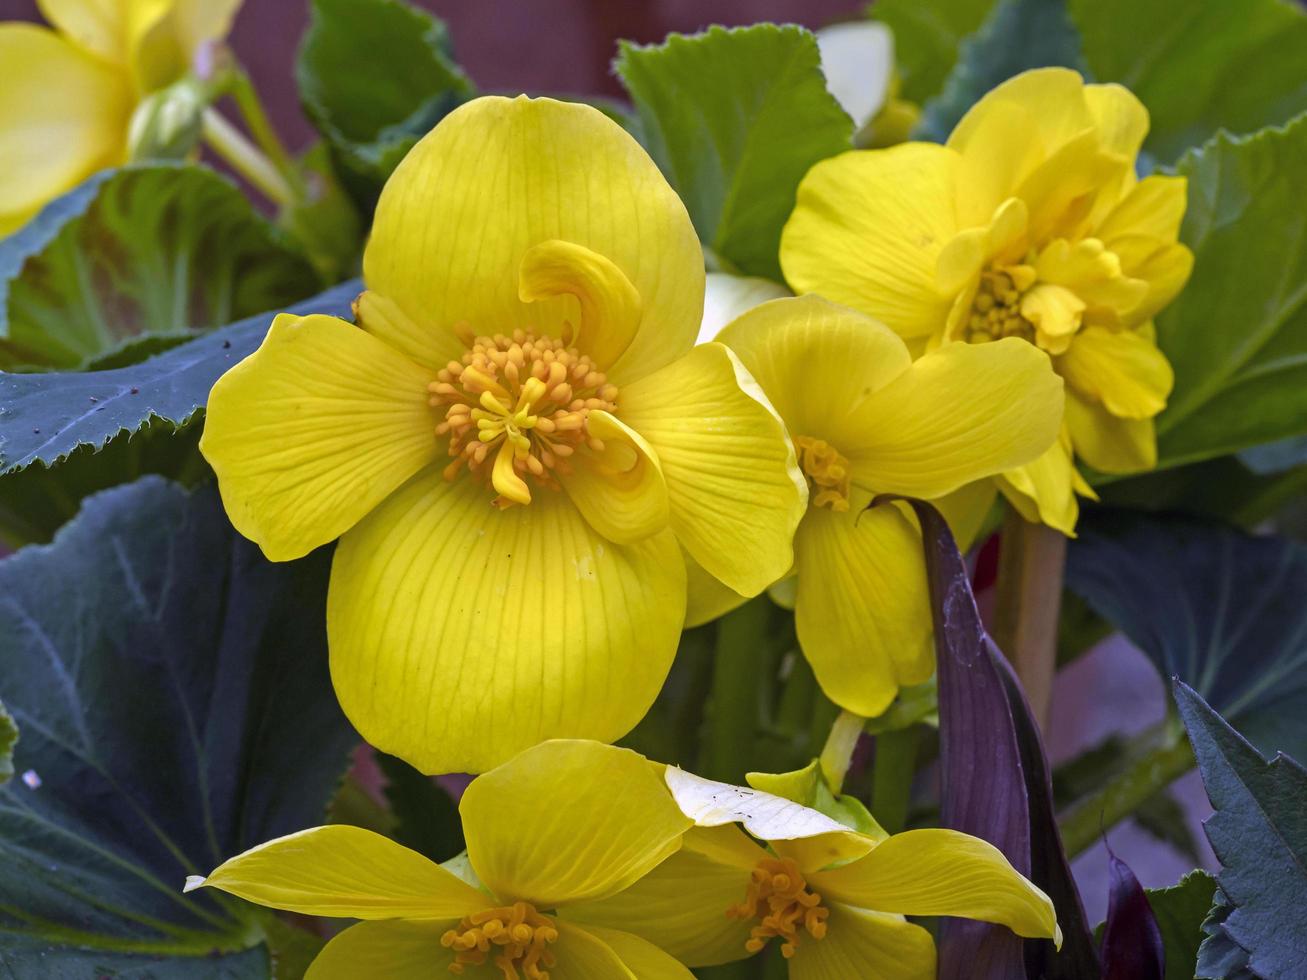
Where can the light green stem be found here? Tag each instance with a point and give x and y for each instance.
(1152, 772)
(245, 158)
(838, 753)
(247, 100)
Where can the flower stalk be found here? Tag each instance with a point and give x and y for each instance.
(245, 158)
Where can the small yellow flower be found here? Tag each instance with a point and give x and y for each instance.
(835, 899)
(868, 420)
(564, 823)
(68, 94)
(1028, 223)
(516, 443)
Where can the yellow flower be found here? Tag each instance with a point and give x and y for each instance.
(834, 898)
(1029, 223)
(563, 823)
(534, 292)
(868, 420)
(69, 93)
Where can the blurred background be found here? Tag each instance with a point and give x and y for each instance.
(565, 47)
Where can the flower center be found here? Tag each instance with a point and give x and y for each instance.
(996, 310)
(779, 897)
(827, 472)
(519, 935)
(516, 408)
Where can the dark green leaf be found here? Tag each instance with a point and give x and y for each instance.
(374, 76)
(1220, 609)
(1237, 335)
(426, 816)
(152, 250)
(735, 118)
(926, 38)
(292, 949)
(1180, 911)
(1259, 834)
(1219, 956)
(8, 739)
(1017, 36)
(1181, 58)
(44, 417)
(172, 690)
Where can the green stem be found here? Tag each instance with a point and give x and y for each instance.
(245, 158)
(742, 637)
(1149, 774)
(891, 787)
(247, 100)
(838, 752)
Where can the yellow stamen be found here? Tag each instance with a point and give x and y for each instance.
(996, 310)
(516, 407)
(827, 472)
(522, 934)
(779, 897)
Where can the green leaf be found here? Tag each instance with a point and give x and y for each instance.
(426, 816)
(1218, 608)
(172, 690)
(1237, 335)
(1219, 956)
(8, 739)
(1259, 834)
(735, 118)
(292, 949)
(47, 416)
(1018, 35)
(150, 251)
(1180, 911)
(374, 76)
(927, 37)
(1181, 58)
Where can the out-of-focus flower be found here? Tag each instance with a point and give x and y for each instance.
(857, 58)
(867, 420)
(833, 897)
(563, 823)
(1028, 223)
(516, 442)
(68, 94)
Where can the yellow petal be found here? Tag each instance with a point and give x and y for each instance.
(811, 838)
(1044, 490)
(584, 956)
(1107, 443)
(461, 634)
(1077, 182)
(733, 483)
(707, 598)
(1153, 208)
(726, 297)
(862, 610)
(967, 508)
(867, 945)
(498, 176)
(620, 490)
(93, 25)
(645, 960)
(1165, 268)
(569, 821)
(63, 116)
(1054, 310)
(681, 905)
(1121, 118)
(344, 871)
(816, 362)
(1013, 129)
(867, 229)
(942, 872)
(1002, 237)
(396, 950)
(384, 319)
(610, 305)
(960, 413)
(198, 21)
(1119, 368)
(313, 430)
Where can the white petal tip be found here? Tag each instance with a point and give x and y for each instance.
(193, 882)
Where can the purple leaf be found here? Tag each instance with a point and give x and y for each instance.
(1132, 941)
(994, 781)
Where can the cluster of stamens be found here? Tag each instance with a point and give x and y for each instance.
(518, 935)
(779, 896)
(827, 472)
(996, 310)
(522, 397)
